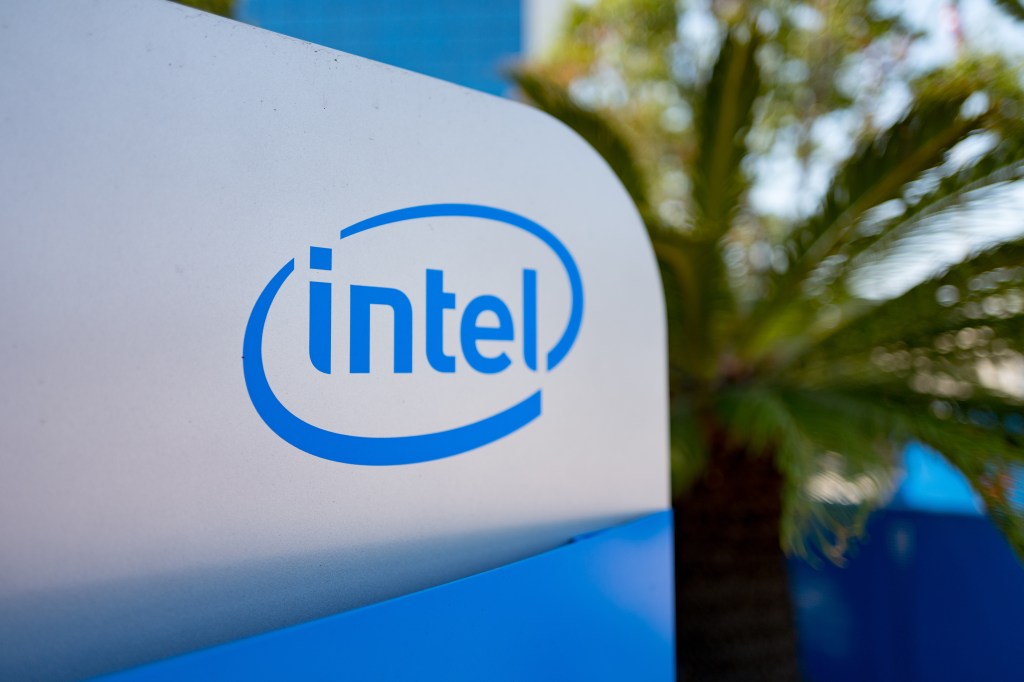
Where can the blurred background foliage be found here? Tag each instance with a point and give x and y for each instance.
(805, 175)
(836, 213)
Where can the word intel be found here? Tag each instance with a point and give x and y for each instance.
(471, 331)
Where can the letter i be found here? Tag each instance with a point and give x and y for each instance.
(320, 311)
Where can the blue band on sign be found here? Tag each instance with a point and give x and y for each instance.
(597, 608)
(384, 451)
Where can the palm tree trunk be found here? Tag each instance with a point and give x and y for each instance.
(733, 608)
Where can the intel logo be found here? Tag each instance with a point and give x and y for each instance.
(427, 330)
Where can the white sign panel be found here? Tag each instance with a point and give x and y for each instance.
(286, 332)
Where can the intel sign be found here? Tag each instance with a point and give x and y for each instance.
(183, 328)
(484, 320)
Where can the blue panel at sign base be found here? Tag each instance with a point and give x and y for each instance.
(599, 608)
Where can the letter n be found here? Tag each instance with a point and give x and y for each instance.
(361, 299)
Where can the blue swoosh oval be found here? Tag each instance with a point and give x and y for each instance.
(387, 451)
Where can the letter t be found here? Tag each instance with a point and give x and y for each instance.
(438, 300)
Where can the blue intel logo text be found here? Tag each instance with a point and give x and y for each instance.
(438, 302)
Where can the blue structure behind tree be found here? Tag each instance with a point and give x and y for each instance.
(462, 41)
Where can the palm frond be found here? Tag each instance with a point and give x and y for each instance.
(982, 291)
(725, 114)
(982, 439)
(838, 448)
(694, 268)
(837, 453)
(688, 446)
(879, 171)
(1002, 164)
(817, 437)
(680, 275)
(973, 175)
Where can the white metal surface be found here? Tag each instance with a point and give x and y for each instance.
(157, 167)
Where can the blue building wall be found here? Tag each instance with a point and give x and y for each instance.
(934, 593)
(467, 42)
(930, 597)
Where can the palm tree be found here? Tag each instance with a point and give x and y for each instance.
(794, 383)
